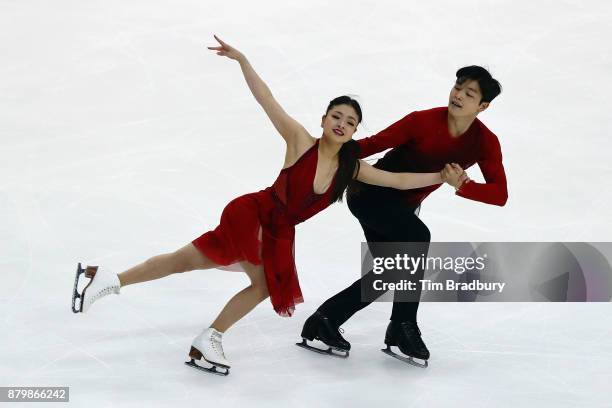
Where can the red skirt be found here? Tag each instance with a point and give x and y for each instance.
(253, 228)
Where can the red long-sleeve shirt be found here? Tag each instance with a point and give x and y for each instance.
(421, 143)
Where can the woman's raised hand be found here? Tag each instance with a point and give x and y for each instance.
(288, 127)
(226, 50)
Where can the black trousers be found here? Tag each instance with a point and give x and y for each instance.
(384, 217)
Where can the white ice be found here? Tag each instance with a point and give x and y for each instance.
(122, 137)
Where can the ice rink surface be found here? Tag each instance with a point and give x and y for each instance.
(122, 137)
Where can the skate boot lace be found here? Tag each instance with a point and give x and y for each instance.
(104, 292)
(215, 341)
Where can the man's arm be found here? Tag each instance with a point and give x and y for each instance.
(494, 190)
(398, 133)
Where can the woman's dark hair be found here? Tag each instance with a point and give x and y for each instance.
(348, 163)
(489, 86)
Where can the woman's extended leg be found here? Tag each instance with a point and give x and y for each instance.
(245, 300)
(209, 344)
(185, 259)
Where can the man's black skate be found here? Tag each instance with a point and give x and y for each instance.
(407, 337)
(320, 328)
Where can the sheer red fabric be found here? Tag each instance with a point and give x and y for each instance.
(260, 228)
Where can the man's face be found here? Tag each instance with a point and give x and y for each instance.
(464, 99)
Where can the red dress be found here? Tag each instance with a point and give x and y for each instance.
(260, 228)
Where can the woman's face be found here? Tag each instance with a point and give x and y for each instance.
(340, 123)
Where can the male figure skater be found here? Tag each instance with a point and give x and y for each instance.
(422, 141)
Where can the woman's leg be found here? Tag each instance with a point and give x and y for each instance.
(245, 300)
(187, 258)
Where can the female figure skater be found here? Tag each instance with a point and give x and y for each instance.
(256, 230)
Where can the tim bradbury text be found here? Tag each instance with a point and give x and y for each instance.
(449, 285)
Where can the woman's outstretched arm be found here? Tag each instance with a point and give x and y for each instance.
(288, 127)
(406, 181)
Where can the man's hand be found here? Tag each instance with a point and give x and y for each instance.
(454, 175)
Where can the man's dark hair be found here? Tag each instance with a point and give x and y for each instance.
(489, 86)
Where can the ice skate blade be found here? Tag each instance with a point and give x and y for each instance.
(329, 351)
(75, 294)
(212, 370)
(409, 360)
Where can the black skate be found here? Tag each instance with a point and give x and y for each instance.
(196, 355)
(89, 273)
(407, 337)
(320, 328)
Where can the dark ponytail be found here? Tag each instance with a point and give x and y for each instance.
(348, 168)
(348, 156)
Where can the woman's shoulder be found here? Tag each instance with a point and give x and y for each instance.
(298, 148)
(304, 142)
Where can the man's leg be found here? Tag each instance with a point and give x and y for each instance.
(324, 324)
(405, 306)
(403, 330)
(344, 304)
(340, 307)
(384, 218)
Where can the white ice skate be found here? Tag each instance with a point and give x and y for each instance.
(207, 346)
(101, 283)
